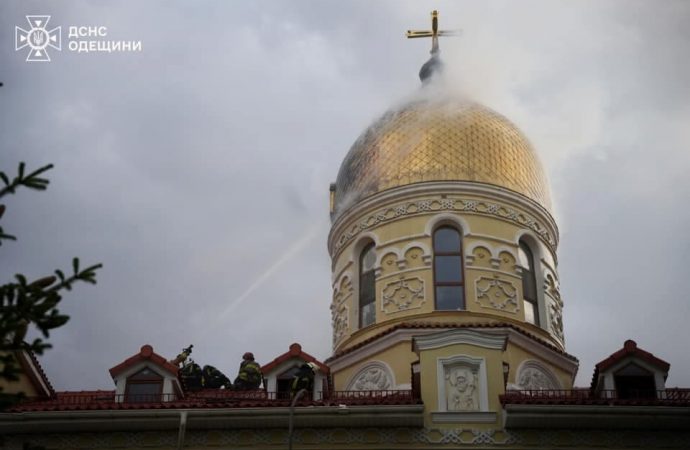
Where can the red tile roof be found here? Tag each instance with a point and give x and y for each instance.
(210, 398)
(295, 351)
(145, 354)
(630, 348)
(443, 325)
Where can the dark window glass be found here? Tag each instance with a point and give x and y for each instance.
(144, 392)
(529, 284)
(144, 386)
(629, 387)
(449, 287)
(367, 286)
(447, 239)
(450, 298)
(448, 268)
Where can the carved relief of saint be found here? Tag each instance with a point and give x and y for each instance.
(461, 389)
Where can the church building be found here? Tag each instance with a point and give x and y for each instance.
(447, 321)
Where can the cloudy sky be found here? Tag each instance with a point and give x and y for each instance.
(197, 170)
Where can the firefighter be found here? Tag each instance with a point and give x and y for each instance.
(249, 376)
(303, 379)
(192, 376)
(213, 378)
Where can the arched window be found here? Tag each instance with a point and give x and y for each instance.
(367, 286)
(449, 282)
(529, 284)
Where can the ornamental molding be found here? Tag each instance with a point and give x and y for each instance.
(556, 319)
(545, 353)
(403, 272)
(374, 376)
(498, 294)
(341, 323)
(528, 344)
(464, 417)
(391, 437)
(342, 288)
(494, 272)
(493, 340)
(402, 295)
(494, 250)
(471, 206)
(466, 197)
(377, 346)
(533, 375)
(340, 312)
(555, 306)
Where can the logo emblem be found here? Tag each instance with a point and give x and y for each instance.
(38, 38)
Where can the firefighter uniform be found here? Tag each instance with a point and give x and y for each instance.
(249, 376)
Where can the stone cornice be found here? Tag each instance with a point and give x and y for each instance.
(557, 359)
(563, 361)
(461, 197)
(387, 341)
(480, 338)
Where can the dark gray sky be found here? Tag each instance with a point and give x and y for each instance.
(197, 170)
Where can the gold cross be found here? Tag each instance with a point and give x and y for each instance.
(433, 34)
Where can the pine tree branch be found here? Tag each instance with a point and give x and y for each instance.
(31, 181)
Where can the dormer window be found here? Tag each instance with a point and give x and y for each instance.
(630, 373)
(144, 386)
(633, 381)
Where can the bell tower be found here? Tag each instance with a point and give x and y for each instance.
(444, 262)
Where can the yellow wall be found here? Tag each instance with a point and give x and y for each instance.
(428, 360)
(404, 276)
(23, 384)
(398, 357)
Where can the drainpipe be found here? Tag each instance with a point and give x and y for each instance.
(183, 427)
(299, 395)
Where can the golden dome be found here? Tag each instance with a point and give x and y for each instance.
(440, 141)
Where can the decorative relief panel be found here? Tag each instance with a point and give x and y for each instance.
(498, 294)
(388, 264)
(340, 317)
(556, 319)
(532, 375)
(481, 256)
(506, 262)
(555, 308)
(375, 376)
(462, 387)
(414, 257)
(447, 204)
(340, 313)
(403, 294)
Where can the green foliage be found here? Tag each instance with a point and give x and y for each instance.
(24, 303)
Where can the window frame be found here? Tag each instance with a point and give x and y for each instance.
(371, 246)
(153, 379)
(437, 284)
(524, 246)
